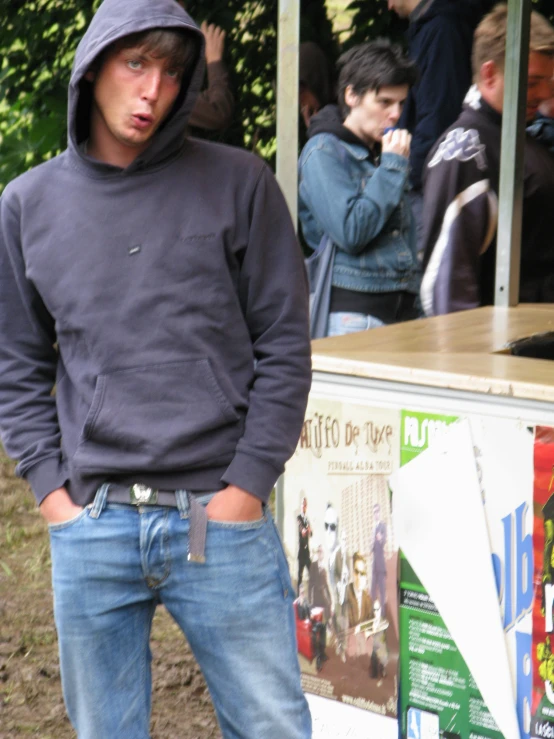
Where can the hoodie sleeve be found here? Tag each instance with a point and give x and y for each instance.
(444, 81)
(459, 223)
(274, 295)
(351, 211)
(28, 358)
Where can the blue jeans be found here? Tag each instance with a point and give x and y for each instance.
(114, 563)
(348, 323)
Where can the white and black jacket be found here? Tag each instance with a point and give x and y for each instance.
(461, 213)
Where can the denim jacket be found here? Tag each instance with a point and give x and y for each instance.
(364, 209)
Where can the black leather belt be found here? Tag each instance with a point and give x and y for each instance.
(144, 495)
(141, 495)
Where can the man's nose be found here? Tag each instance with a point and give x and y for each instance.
(396, 112)
(151, 87)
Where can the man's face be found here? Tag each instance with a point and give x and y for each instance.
(133, 94)
(308, 104)
(373, 112)
(304, 506)
(402, 8)
(360, 574)
(539, 84)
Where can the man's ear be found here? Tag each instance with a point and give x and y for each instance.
(489, 74)
(90, 75)
(350, 97)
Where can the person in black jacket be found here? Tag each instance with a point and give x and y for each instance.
(461, 183)
(440, 37)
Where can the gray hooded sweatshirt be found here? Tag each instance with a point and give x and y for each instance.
(166, 302)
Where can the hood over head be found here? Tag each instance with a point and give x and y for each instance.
(114, 20)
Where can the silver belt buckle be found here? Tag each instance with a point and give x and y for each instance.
(143, 495)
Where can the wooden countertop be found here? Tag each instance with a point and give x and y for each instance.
(462, 351)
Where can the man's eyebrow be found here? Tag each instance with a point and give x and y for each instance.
(384, 99)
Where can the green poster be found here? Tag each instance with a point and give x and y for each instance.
(418, 431)
(438, 698)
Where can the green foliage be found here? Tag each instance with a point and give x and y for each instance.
(38, 39)
(372, 19)
(37, 43)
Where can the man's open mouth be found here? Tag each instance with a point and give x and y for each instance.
(142, 119)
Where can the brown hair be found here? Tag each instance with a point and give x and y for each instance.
(489, 41)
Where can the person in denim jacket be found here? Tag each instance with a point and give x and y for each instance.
(353, 175)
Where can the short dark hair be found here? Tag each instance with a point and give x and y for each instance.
(371, 66)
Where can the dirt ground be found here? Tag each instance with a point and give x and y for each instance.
(30, 691)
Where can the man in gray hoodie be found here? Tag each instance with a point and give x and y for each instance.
(156, 282)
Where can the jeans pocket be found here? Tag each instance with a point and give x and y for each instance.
(238, 525)
(70, 522)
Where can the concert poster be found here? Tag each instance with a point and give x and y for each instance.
(339, 543)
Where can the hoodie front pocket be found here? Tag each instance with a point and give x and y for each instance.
(159, 417)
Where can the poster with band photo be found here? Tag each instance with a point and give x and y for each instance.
(340, 546)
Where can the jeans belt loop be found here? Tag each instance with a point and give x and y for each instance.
(99, 502)
(181, 498)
